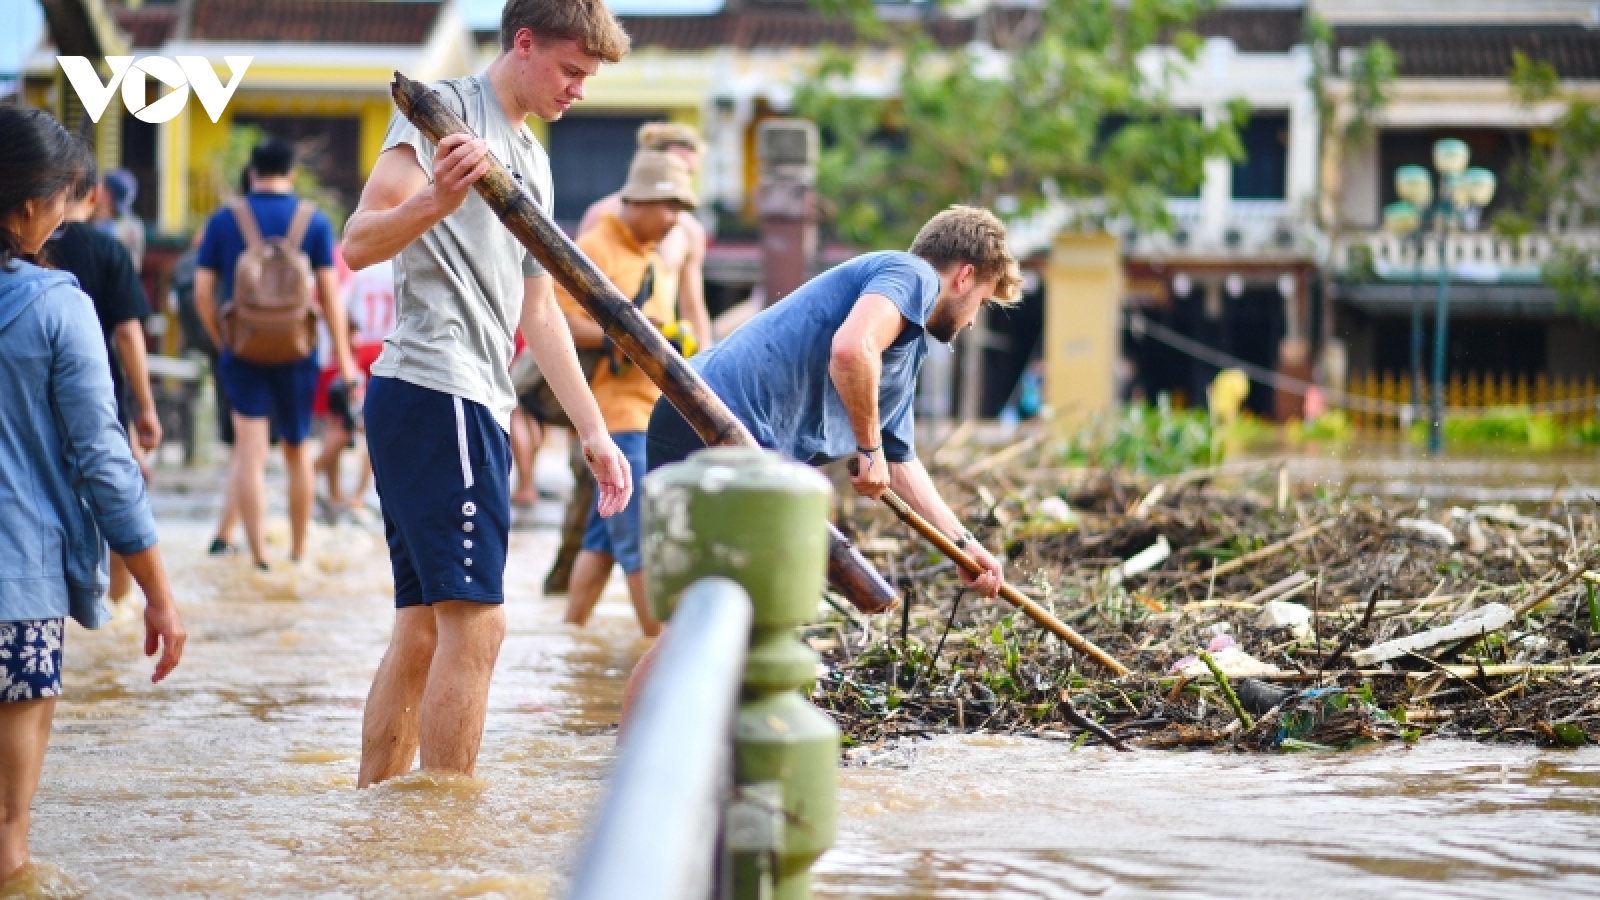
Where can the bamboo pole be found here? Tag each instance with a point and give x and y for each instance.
(1010, 594)
(711, 419)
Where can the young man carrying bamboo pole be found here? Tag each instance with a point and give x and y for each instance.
(439, 406)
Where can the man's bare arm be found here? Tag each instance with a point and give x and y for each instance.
(400, 202)
(129, 338)
(205, 303)
(855, 363)
(692, 282)
(544, 326)
(338, 322)
(910, 480)
(163, 626)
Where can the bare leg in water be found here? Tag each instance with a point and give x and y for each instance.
(24, 734)
(639, 675)
(440, 709)
(229, 520)
(526, 436)
(334, 439)
(590, 573)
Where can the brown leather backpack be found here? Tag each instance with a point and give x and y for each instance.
(272, 318)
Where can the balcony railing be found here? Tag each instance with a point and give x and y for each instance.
(1475, 256)
(1251, 227)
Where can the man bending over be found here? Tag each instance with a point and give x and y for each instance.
(831, 371)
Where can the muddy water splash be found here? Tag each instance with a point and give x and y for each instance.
(236, 778)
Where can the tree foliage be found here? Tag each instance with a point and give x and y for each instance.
(1559, 180)
(1073, 108)
(1369, 75)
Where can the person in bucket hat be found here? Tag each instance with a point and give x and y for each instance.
(624, 246)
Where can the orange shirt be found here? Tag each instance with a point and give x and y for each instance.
(626, 398)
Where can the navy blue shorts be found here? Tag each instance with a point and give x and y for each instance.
(443, 470)
(30, 660)
(286, 393)
(618, 537)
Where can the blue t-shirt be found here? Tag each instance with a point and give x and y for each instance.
(223, 244)
(773, 371)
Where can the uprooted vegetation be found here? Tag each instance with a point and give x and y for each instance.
(1302, 600)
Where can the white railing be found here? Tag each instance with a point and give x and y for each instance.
(1489, 254)
(1258, 224)
(1258, 213)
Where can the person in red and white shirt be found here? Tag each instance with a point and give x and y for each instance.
(369, 306)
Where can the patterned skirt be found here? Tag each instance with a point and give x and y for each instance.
(30, 659)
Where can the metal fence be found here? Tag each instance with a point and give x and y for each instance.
(656, 837)
(726, 782)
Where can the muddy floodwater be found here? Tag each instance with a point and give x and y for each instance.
(236, 777)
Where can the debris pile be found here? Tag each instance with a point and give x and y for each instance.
(1256, 614)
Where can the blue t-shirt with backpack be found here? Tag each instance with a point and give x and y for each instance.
(224, 244)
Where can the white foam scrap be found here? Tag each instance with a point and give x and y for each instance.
(1433, 531)
(1282, 614)
(1141, 562)
(1484, 619)
(1055, 509)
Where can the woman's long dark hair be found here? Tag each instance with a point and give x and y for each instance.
(38, 158)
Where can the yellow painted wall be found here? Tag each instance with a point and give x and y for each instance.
(199, 195)
(373, 112)
(1083, 291)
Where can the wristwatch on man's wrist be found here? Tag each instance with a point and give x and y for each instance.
(964, 538)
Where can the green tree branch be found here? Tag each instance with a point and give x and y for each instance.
(1066, 112)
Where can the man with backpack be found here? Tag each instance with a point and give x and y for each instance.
(271, 254)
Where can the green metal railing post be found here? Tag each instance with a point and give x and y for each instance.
(753, 517)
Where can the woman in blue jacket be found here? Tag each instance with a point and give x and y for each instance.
(68, 484)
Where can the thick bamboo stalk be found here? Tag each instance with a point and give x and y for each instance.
(848, 571)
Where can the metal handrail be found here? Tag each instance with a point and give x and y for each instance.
(656, 836)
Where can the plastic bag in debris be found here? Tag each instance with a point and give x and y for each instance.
(1331, 719)
(1233, 661)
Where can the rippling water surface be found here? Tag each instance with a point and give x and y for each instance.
(237, 778)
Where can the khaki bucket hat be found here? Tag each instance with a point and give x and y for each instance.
(655, 176)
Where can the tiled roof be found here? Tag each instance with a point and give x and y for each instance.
(1270, 30)
(148, 26)
(1267, 30)
(1472, 51)
(314, 21)
(764, 28)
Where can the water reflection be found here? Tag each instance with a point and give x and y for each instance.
(1017, 818)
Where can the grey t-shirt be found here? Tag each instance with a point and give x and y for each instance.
(458, 288)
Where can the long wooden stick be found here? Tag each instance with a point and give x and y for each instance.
(1306, 533)
(711, 419)
(1010, 594)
